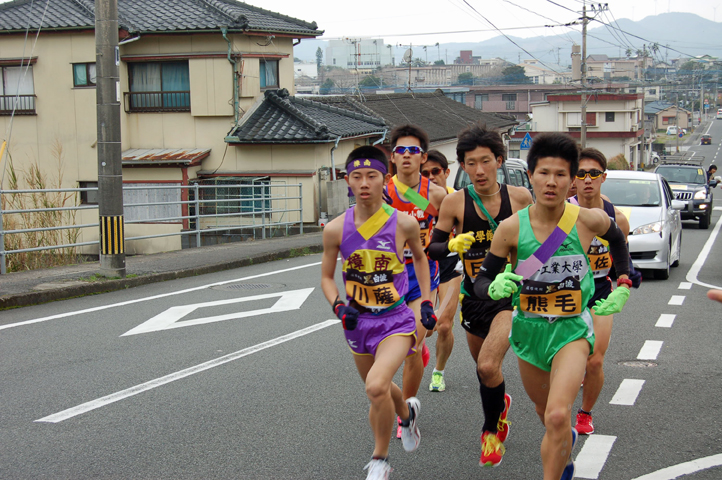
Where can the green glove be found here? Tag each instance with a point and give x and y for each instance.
(503, 285)
(461, 243)
(613, 303)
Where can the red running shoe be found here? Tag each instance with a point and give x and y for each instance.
(502, 428)
(491, 450)
(425, 354)
(584, 424)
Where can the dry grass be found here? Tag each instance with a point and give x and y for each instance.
(618, 162)
(35, 179)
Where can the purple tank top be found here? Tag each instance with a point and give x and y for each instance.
(374, 276)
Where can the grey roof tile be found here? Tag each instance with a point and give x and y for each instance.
(281, 118)
(153, 16)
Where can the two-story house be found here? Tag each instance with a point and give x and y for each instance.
(189, 70)
(613, 120)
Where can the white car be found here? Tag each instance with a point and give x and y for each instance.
(672, 130)
(655, 226)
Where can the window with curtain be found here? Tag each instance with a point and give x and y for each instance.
(84, 74)
(17, 90)
(159, 86)
(269, 73)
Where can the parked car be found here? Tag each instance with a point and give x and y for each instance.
(655, 226)
(672, 130)
(719, 114)
(706, 140)
(689, 184)
(513, 172)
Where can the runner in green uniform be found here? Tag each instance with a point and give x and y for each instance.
(552, 332)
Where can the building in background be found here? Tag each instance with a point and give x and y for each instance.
(358, 53)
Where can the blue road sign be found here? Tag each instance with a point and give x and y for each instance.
(680, 134)
(526, 142)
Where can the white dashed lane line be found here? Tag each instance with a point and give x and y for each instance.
(593, 456)
(684, 286)
(650, 350)
(627, 392)
(665, 320)
(676, 300)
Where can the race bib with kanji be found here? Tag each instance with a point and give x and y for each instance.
(551, 300)
(369, 278)
(599, 259)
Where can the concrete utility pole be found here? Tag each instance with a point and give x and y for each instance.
(583, 140)
(110, 172)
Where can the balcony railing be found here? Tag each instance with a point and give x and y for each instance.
(23, 104)
(157, 102)
(510, 104)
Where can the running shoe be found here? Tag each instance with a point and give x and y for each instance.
(410, 436)
(502, 428)
(584, 423)
(378, 469)
(491, 450)
(398, 427)
(568, 472)
(437, 382)
(425, 354)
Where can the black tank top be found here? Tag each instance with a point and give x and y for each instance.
(483, 233)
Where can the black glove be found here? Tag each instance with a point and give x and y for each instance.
(428, 317)
(347, 315)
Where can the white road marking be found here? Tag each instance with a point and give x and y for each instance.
(170, 319)
(665, 320)
(154, 297)
(676, 300)
(702, 257)
(593, 456)
(684, 286)
(129, 392)
(627, 392)
(686, 468)
(650, 350)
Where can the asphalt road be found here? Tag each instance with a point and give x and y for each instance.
(172, 381)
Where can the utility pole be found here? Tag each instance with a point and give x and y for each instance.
(701, 99)
(110, 171)
(583, 140)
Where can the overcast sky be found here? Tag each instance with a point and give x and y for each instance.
(401, 21)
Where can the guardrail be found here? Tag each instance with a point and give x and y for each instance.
(259, 208)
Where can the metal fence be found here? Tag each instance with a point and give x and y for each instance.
(251, 208)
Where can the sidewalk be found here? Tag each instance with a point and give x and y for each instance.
(21, 289)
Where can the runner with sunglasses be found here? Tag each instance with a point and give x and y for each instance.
(437, 170)
(379, 327)
(476, 211)
(417, 196)
(552, 332)
(588, 180)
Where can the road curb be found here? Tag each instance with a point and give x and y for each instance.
(103, 286)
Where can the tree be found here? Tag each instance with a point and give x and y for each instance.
(514, 74)
(319, 61)
(466, 78)
(326, 86)
(370, 81)
(439, 62)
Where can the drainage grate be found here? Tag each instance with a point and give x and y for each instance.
(638, 364)
(244, 286)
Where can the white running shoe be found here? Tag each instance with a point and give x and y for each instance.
(410, 436)
(378, 469)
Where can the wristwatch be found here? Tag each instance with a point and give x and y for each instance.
(624, 281)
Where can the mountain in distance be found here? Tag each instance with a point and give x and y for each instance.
(685, 34)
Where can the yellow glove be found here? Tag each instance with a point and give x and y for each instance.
(461, 243)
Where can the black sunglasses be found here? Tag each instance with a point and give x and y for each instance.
(434, 171)
(593, 174)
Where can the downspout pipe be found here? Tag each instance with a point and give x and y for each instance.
(383, 137)
(224, 31)
(333, 163)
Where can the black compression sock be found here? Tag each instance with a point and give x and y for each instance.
(492, 402)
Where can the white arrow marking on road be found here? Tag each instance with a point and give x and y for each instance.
(129, 392)
(686, 468)
(665, 320)
(170, 318)
(650, 350)
(627, 392)
(593, 456)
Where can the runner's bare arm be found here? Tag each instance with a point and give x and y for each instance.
(436, 194)
(506, 237)
(331, 242)
(410, 229)
(520, 197)
(438, 247)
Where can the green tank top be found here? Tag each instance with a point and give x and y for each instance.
(562, 287)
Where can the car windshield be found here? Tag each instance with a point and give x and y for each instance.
(632, 192)
(682, 174)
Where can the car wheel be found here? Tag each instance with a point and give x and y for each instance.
(679, 251)
(705, 220)
(664, 273)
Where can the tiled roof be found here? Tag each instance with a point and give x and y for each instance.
(656, 107)
(281, 118)
(139, 16)
(441, 117)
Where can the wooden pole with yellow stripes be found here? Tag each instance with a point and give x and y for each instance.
(110, 172)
